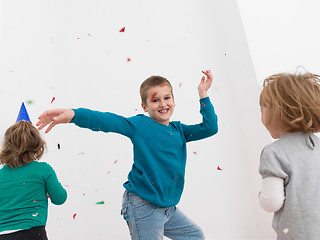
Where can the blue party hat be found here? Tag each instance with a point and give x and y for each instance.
(23, 114)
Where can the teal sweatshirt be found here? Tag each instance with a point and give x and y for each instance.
(159, 151)
(23, 195)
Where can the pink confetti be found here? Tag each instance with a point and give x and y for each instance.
(122, 29)
(115, 161)
(195, 153)
(203, 104)
(74, 216)
(180, 84)
(53, 99)
(219, 168)
(108, 172)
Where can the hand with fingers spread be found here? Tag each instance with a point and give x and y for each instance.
(205, 84)
(54, 117)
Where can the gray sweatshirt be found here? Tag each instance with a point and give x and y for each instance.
(295, 157)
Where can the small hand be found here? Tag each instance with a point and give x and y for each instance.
(54, 117)
(205, 84)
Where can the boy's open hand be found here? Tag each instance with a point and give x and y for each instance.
(205, 84)
(54, 117)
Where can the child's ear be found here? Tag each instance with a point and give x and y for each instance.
(144, 107)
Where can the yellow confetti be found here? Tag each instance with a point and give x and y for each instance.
(285, 231)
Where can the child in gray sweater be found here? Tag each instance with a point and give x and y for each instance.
(290, 166)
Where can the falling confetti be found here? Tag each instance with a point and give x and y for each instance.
(195, 153)
(115, 161)
(128, 59)
(108, 172)
(100, 203)
(180, 84)
(202, 104)
(58, 145)
(34, 201)
(53, 99)
(122, 29)
(74, 216)
(219, 168)
(34, 215)
(29, 102)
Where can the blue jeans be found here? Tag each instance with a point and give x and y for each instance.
(147, 221)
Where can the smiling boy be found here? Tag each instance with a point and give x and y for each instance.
(156, 180)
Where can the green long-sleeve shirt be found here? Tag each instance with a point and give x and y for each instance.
(23, 195)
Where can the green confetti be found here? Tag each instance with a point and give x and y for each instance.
(29, 101)
(102, 202)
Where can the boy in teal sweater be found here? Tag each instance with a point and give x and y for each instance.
(156, 180)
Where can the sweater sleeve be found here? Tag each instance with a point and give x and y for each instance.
(209, 125)
(272, 196)
(56, 192)
(102, 121)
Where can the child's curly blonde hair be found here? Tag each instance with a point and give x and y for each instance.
(292, 101)
(22, 144)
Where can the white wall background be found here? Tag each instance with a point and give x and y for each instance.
(73, 51)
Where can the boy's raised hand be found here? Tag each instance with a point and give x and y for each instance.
(54, 117)
(205, 84)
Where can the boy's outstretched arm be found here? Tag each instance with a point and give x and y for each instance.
(54, 117)
(205, 84)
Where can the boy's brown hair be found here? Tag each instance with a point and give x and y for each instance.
(292, 101)
(22, 144)
(152, 81)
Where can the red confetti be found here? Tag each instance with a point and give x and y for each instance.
(34, 201)
(203, 104)
(122, 29)
(128, 59)
(115, 161)
(153, 96)
(84, 194)
(219, 168)
(74, 216)
(53, 99)
(108, 172)
(195, 153)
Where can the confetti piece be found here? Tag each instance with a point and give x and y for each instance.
(78, 38)
(195, 153)
(100, 203)
(170, 134)
(180, 84)
(153, 96)
(108, 172)
(74, 216)
(202, 104)
(53, 99)
(29, 102)
(84, 194)
(285, 231)
(48, 196)
(219, 168)
(34, 201)
(115, 161)
(128, 59)
(34, 215)
(122, 29)
(58, 145)
(136, 110)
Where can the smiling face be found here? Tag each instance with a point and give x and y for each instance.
(159, 104)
